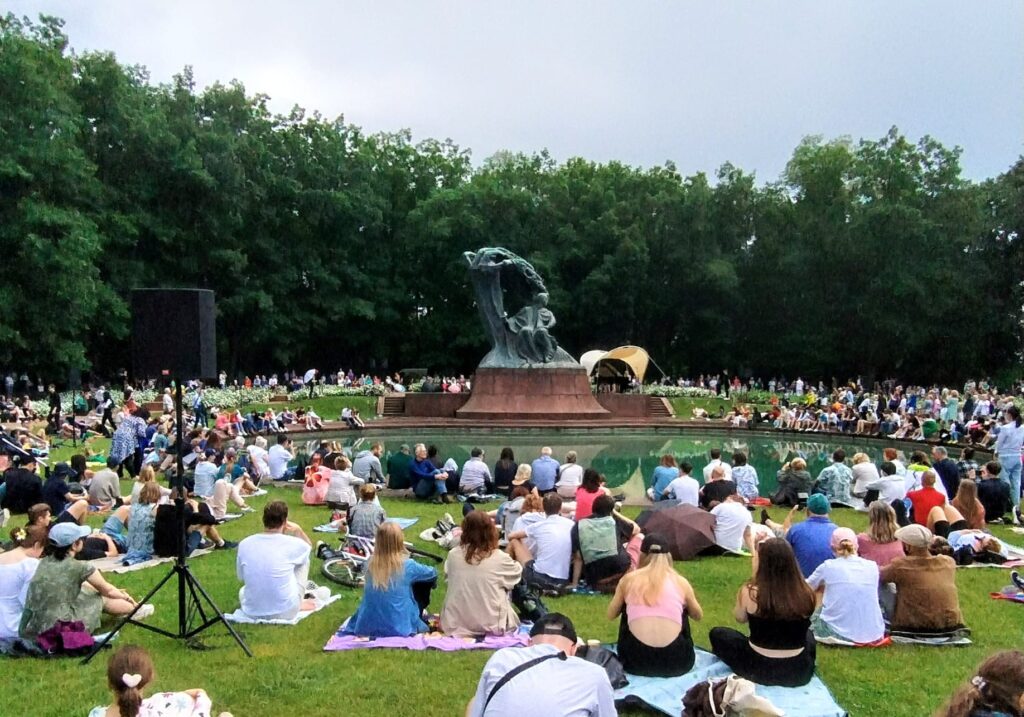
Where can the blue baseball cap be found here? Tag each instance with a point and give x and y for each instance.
(65, 534)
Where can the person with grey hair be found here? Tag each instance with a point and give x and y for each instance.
(475, 477)
(570, 476)
(545, 471)
(946, 469)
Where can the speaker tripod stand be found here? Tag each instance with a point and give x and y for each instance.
(191, 594)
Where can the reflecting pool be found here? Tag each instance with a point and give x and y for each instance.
(627, 460)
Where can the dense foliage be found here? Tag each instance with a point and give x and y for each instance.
(328, 246)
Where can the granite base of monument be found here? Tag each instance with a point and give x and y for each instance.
(524, 393)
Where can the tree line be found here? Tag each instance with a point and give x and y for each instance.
(330, 246)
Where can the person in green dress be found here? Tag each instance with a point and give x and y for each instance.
(67, 589)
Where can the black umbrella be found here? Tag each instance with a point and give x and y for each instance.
(688, 529)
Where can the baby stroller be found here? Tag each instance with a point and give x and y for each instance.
(346, 565)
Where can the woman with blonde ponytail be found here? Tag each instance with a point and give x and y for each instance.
(849, 608)
(129, 671)
(996, 689)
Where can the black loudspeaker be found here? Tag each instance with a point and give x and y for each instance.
(174, 333)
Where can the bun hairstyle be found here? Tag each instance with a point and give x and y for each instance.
(997, 687)
(130, 669)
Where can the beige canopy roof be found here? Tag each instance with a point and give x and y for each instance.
(617, 361)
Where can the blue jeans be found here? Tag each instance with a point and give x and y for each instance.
(1011, 475)
(114, 529)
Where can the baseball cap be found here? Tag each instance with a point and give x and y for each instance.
(914, 535)
(817, 504)
(64, 534)
(654, 544)
(841, 534)
(554, 623)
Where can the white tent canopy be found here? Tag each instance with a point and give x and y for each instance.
(621, 361)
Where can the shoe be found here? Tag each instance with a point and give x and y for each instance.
(205, 544)
(446, 498)
(319, 549)
(144, 612)
(1018, 580)
(764, 517)
(1017, 519)
(247, 509)
(227, 545)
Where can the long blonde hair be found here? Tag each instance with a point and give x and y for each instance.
(883, 525)
(147, 474)
(645, 584)
(389, 555)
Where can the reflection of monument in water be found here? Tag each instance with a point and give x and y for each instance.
(525, 374)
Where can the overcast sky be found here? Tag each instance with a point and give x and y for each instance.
(642, 82)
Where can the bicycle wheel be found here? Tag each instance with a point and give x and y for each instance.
(339, 570)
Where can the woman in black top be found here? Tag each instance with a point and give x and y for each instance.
(777, 604)
(505, 471)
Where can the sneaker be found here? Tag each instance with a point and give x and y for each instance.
(1017, 519)
(227, 545)
(205, 544)
(319, 548)
(247, 509)
(144, 612)
(1018, 580)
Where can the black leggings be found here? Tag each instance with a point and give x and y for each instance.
(672, 660)
(421, 593)
(733, 648)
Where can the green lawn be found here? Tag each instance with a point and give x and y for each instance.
(327, 407)
(291, 675)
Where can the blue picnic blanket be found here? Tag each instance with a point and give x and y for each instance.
(665, 694)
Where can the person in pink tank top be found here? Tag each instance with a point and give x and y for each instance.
(653, 605)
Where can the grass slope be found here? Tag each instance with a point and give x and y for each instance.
(291, 675)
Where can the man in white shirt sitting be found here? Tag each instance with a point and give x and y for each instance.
(731, 521)
(552, 538)
(716, 460)
(259, 459)
(570, 476)
(279, 456)
(475, 478)
(685, 489)
(545, 678)
(274, 567)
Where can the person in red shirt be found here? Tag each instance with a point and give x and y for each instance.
(925, 499)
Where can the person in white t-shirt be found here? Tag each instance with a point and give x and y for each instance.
(685, 489)
(555, 682)
(570, 476)
(274, 567)
(552, 537)
(716, 460)
(731, 522)
(849, 610)
(278, 458)
(259, 458)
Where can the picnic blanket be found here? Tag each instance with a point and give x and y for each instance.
(665, 694)
(432, 641)
(243, 619)
(113, 564)
(402, 522)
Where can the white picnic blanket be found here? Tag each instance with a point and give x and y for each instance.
(113, 563)
(241, 618)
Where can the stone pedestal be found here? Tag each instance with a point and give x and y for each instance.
(525, 393)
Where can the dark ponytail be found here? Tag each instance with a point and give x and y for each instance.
(1014, 413)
